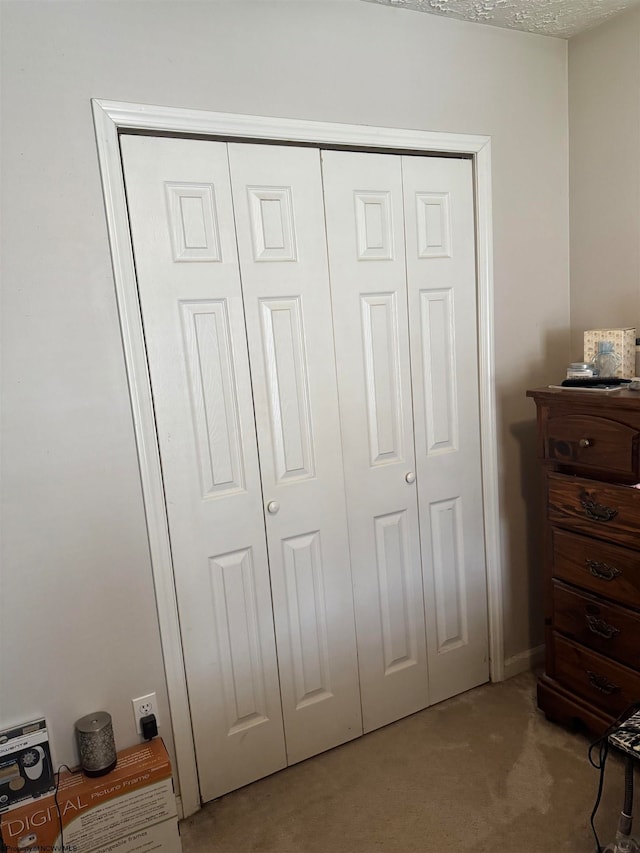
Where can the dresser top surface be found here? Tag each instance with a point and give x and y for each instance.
(622, 399)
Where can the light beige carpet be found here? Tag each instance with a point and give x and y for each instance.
(481, 772)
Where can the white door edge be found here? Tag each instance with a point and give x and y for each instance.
(111, 117)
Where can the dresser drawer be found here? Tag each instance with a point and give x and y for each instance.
(604, 510)
(609, 685)
(604, 569)
(590, 441)
(607, 628)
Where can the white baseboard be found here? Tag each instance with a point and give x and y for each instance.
(524, 661)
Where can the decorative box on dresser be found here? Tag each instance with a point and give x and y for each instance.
(588, 443)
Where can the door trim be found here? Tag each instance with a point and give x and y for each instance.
(113, 117)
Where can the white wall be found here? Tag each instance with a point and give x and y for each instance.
(79, 625)
(604, 133)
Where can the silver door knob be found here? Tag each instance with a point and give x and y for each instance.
(273, 507)
(410, 477)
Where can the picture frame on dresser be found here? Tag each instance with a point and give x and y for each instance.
(588, 446)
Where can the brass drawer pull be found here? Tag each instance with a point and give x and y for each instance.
(603, 571)
(600, 627)
(585, 442)
(596, 511)
(602, 684)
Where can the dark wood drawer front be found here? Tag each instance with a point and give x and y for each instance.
(589, 441)
(611, 630)
(603, 682)
(597, 509)
(607, 570)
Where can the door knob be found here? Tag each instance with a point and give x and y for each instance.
(410, 477)
(273, 507)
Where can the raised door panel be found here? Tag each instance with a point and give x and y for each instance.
(214, 396)
(287, 386)
(281, 242)
(188, 279)
(441, 278)
(363, 201)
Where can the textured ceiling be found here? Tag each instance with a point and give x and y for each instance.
(563, 18)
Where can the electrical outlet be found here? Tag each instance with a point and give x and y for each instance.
(142, 707)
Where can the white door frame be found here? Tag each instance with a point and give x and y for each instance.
(112, 117)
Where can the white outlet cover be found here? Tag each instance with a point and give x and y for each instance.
(140, 710)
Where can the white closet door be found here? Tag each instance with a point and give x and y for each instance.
(440, 242)
(186, 261)
(364, 211)
(277, 195)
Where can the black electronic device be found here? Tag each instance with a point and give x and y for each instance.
(593, 382)
(149, 726)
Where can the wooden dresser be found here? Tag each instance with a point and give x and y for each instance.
(589, 444)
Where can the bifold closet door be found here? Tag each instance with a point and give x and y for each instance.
(277, 194)
(181, 217)
(236, 309)
(441, 281)
(365, 234)
(401, 247)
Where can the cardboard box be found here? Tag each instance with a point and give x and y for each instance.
(26, 772)
(624, 346)
(130, 810)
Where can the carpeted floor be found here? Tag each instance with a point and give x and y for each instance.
(481, 772)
